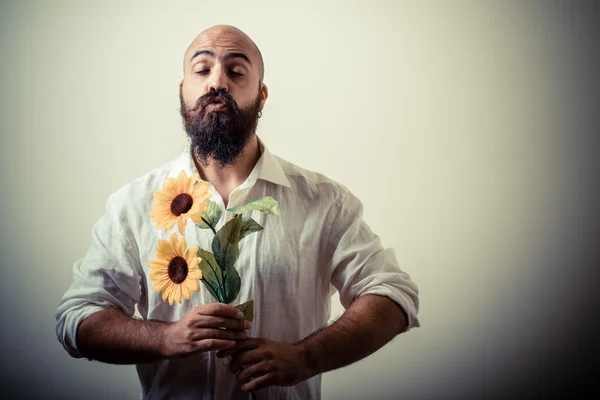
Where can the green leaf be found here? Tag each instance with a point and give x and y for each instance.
(232, 285)
(248, 309)
(212, 215)
(249, 226)
(267, 205)
(225, 244)
(211, 290)
(212, 276)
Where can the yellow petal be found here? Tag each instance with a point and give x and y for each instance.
(170, 186)
(187, 184)
(163, 196)
(166, 291)
(155, 218)
(193, 284)
(191, 253)
(177, 294)
(174, 243)
(181, 225)
(158, 264)
(192, 261)
(160, 216)
(161, 284)
(180, 246)
(167, 223)
(204, 199)
(158, 274)
(205, 188)
(181, 180)
(192, 181)
(200, 196)
(164, 250)
(195, 273)
(194, 209)
(185, 290)
(197, 218)
(195, 262)
(201, 187)
(172, 294)
(162, 207)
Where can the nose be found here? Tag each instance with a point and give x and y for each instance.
(218, 79)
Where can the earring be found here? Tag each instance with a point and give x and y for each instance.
(259, 114)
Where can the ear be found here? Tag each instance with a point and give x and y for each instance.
(264, 94)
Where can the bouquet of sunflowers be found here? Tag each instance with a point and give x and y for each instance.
(177, 270)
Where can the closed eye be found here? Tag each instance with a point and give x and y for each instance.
(203, 72)
(235, 74)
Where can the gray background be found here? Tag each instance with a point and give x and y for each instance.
(469, 130)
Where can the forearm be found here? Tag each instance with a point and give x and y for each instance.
(368, 324)
(112, 337)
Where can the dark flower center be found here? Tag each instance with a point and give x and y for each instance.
(178, 269)
(181, 204)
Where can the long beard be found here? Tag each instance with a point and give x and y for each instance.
(219, 135)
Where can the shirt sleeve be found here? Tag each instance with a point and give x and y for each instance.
(107, 277)
(360, 265)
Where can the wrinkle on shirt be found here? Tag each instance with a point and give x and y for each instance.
(319, 244)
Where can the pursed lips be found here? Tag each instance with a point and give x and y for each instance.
(216, 105)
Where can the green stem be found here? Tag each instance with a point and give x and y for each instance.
(209, 225)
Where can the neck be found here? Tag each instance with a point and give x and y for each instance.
(227, 178)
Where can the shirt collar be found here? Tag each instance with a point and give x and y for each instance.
(267, 168)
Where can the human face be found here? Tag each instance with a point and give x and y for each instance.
(223, 58)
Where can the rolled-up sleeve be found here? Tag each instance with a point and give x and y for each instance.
(360, 265)
(107, 277)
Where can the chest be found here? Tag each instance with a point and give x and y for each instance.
(280, 262)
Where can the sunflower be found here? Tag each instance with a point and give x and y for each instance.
(179, 199)
(175, 272)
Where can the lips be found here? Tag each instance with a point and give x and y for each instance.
(215, 106)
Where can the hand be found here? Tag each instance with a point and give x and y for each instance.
(201, 329)
(260, 363)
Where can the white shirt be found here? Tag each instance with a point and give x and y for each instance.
(319, 244)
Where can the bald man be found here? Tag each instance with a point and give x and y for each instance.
(201, 349)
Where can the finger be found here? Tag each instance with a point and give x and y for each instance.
(217, 309)
(253, 372)
(246, 358)
(203, 321)
(244, 345)
(214, 344)
(226, 334)
(260, 383)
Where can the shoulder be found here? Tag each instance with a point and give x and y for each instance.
(314, 186)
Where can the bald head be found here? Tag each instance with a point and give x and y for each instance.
(223, 59)
(227, 37)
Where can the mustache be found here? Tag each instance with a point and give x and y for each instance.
(215, 96)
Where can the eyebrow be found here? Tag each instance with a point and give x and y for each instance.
(228, 56)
